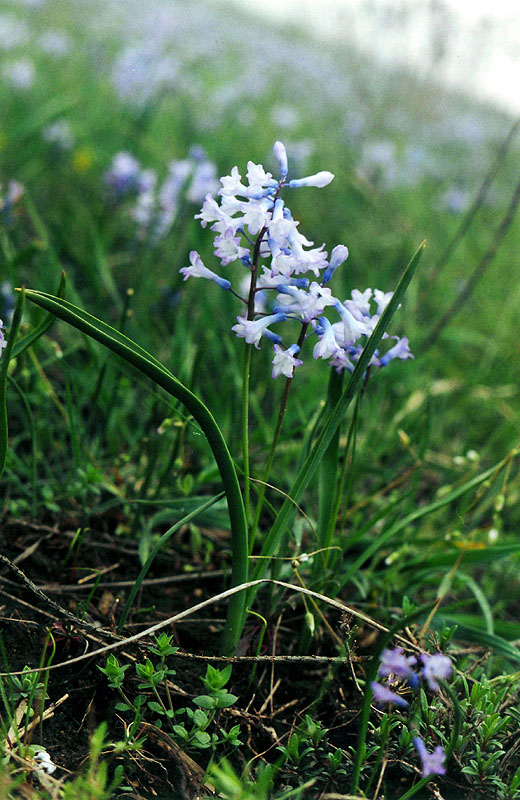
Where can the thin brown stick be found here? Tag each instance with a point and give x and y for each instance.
(198, 607)
(63, 612)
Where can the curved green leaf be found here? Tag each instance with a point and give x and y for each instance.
(43, 327)
(134, 354)
(5, 358)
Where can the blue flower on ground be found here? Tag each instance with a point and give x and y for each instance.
(396, 663)
(432, 763)
(385, 697)
(435, 667)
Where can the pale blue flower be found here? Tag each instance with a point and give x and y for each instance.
(436, 667)
(359, 305)
(232, 184)
(284, 361)
(320, 180)
(337, 257)
(432, 763)
(352, 328)
(327, 345)
(382, 299)
(281, 156)
(269, 280)
(259, 180)
(385, 697)
(400, 350)
(306, 304)
(198, 270)
(227, 247)
(212, 212)
(253, 330)
(256, 214)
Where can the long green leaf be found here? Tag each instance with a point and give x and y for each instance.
(43, 327)
(333, 420)
(4, 364)
(477, 555)
(149, 366)
(470, 633)
(149, 561)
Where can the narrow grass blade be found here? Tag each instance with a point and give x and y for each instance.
(149, 561)
(387, 535)
(332, 421)
(470, 633)
(328, 470)
(153, 369)
(477, 555)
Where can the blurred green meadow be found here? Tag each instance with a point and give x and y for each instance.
(178, 86)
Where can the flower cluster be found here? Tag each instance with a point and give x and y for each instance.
(156, 207)
(254, 226)
(396, 667)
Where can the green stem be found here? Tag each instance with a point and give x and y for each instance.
(245, 429)
(272, 451)
(270, 459)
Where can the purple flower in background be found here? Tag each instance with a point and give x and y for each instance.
(432, 763)
(21, 73)
(3, 342)
(396, 663)
(385, 697)
(123, 174)
(7, 301)
(10, 201)
(435, 667)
